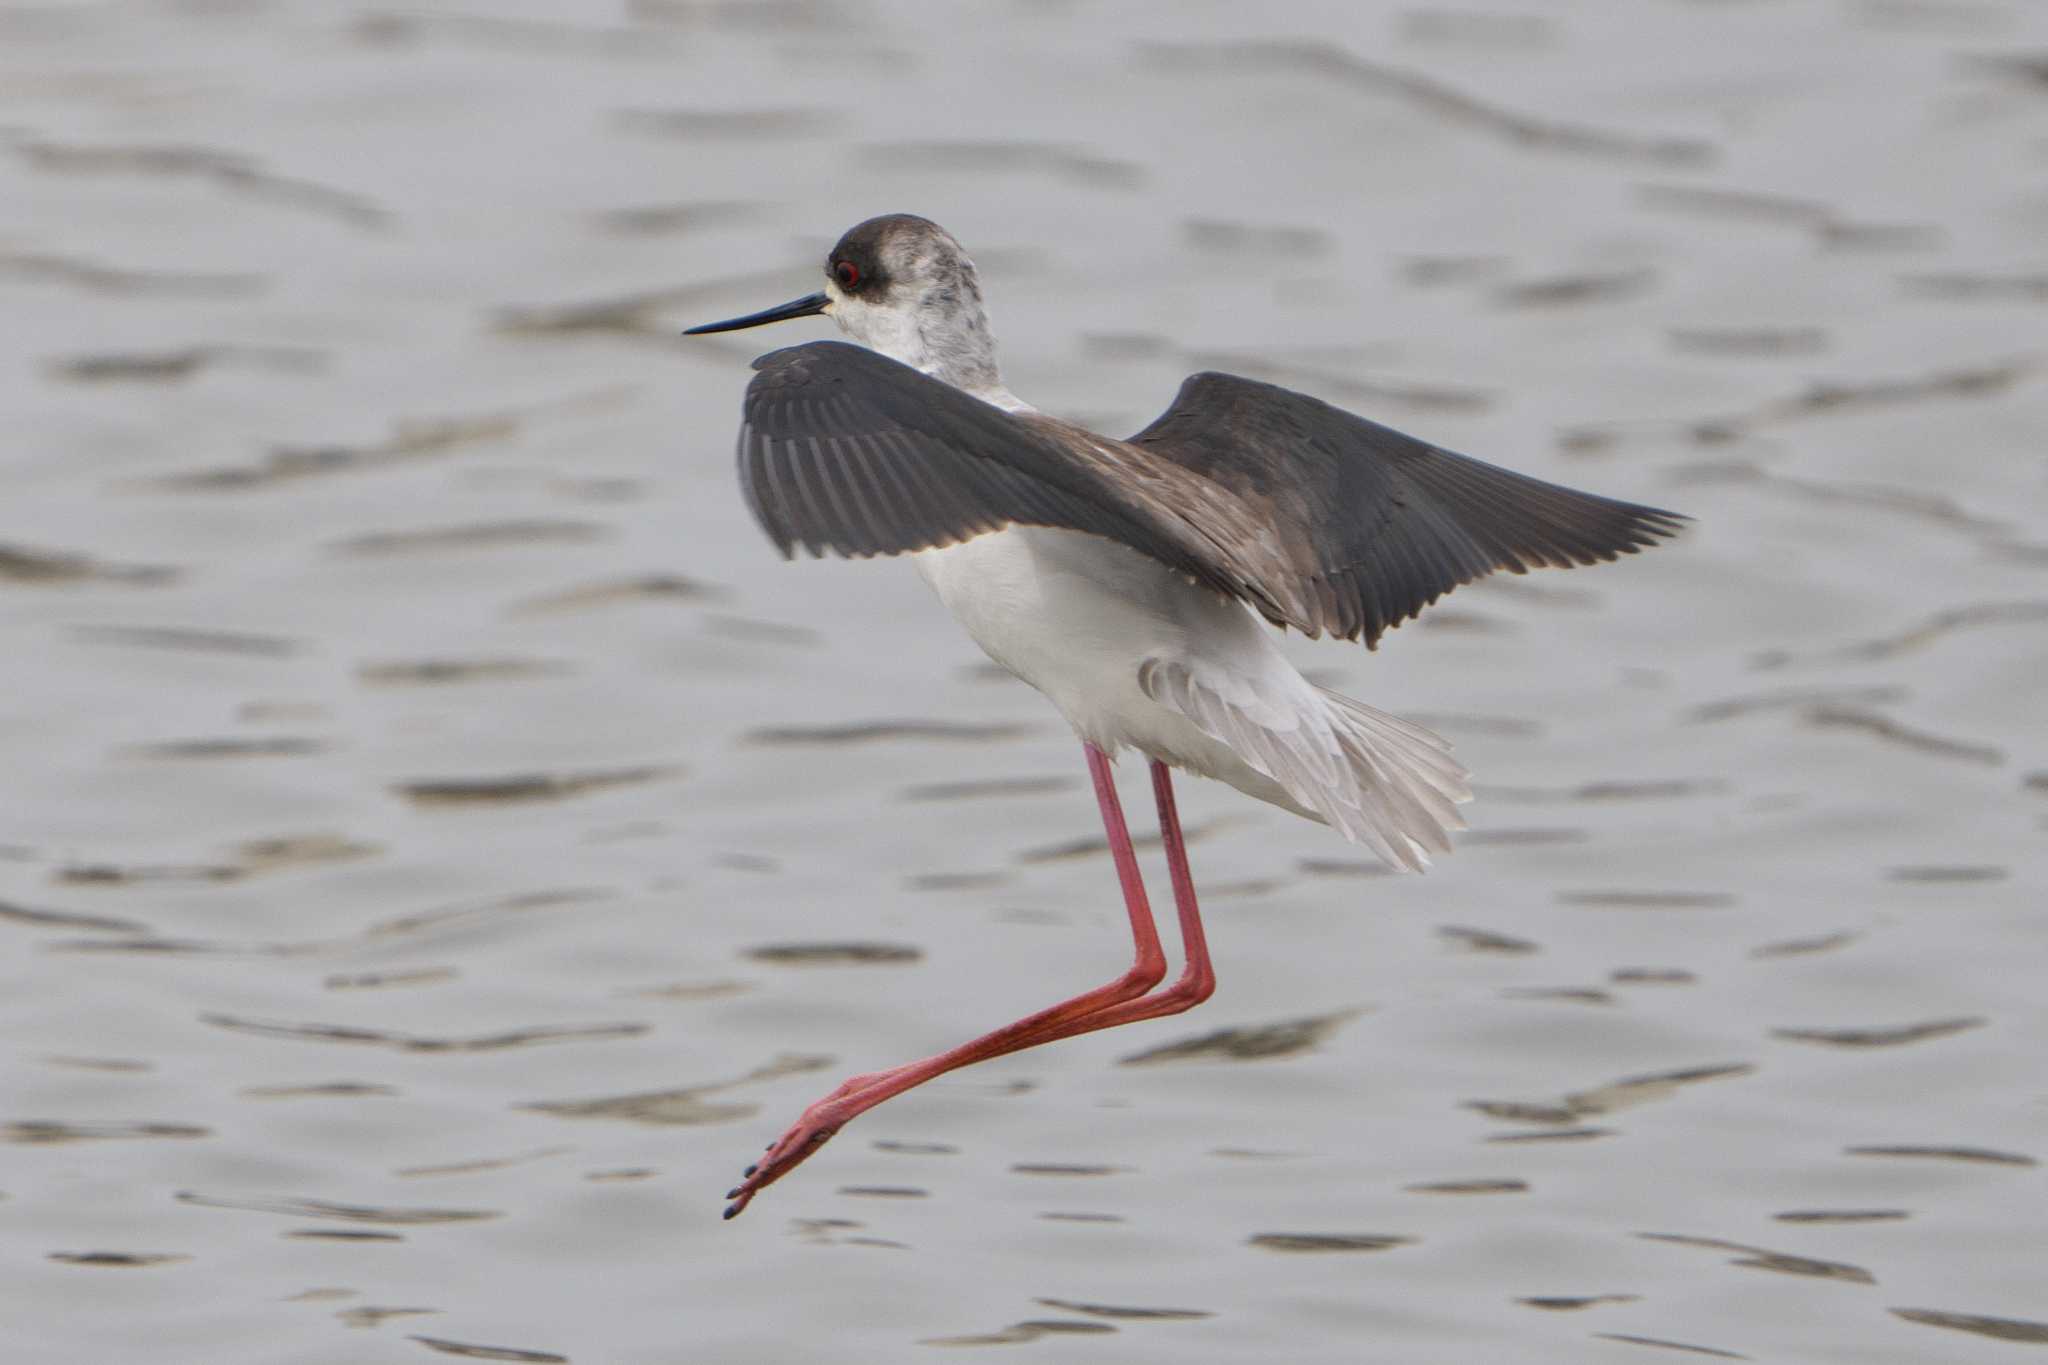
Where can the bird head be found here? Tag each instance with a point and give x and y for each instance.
(901, 285)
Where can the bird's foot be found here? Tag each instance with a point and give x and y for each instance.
(784, 1155)
(812, 1130)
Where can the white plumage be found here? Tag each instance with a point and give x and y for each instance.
(1135, 655)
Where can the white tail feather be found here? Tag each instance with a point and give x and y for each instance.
(1378, 780)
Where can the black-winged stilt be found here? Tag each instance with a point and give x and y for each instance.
(1131, 581)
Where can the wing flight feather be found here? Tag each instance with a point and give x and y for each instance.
(1316, 518)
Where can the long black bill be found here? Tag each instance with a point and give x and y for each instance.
(807, 306)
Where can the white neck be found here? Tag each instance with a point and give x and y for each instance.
(947, 337)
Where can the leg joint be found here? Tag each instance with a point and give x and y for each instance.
(1142, 977)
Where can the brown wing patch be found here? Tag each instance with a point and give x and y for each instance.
(1370, 525)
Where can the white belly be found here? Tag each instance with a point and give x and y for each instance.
(1134, 654)
(1076, 615)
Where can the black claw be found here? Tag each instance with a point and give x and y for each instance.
(733, 1193)
(751, 1169)
(731, 1211)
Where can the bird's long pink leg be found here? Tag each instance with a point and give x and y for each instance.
(1197, 979)
(861, 1093)
(1198, 976)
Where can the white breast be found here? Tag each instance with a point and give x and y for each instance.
(1077, 616)
(1134, 654)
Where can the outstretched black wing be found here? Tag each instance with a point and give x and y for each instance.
(1318, 519)
(848, 451)
(1368, 526)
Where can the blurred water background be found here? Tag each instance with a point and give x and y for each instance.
(439, 841)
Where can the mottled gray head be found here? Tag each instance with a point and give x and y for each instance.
(901, 285)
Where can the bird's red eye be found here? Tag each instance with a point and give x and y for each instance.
(847, 273)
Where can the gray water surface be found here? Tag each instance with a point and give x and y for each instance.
(440, 842)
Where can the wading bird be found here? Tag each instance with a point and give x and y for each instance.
(1131, 581)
